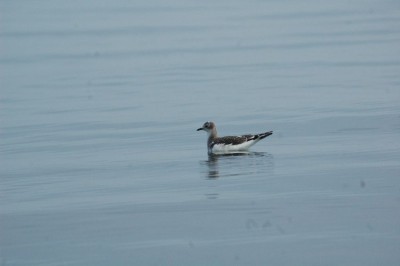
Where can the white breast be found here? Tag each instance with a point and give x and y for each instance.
(222, 148)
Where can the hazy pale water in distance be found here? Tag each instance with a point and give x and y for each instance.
(100, 163)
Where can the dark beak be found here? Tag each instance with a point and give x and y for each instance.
(200, 129)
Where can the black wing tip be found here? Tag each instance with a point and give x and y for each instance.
(264, 135)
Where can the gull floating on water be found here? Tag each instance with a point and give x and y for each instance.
(229, 144)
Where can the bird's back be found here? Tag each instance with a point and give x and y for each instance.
(235, 143)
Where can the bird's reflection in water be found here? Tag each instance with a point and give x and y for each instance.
(232, 164)
(212, 164)
(235, 165)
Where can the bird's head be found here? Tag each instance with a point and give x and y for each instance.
(207, 126)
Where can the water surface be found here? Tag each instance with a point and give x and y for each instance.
(101, 163)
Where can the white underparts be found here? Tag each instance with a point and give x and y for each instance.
(227, 148)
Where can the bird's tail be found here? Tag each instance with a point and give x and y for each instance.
(264, 135)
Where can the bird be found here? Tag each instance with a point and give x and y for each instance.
(229, 144)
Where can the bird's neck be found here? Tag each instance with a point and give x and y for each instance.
(212, 135)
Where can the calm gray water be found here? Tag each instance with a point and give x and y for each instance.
(100, 163)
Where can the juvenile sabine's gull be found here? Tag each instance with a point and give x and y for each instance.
(229, 144)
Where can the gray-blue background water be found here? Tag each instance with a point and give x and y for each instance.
(101, 163)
